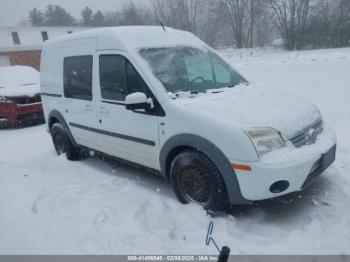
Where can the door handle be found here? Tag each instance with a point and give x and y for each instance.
(103, 110)
(89, 108)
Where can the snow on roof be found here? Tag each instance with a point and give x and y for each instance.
(131, 37)
(141, 37)
(19, 80)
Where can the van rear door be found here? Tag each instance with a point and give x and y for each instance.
(78, 64)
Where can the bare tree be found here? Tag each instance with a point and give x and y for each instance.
(344, 6)
(256, 11)
(243, 23)
(342, 29)
(264, 29)
(181, 14)
(252, 13)
(290, 17)
(238, 13)
(135, 15)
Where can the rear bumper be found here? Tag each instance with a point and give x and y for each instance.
(11, 114)
(293, 168)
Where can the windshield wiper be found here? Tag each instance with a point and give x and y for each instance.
(30, 84)
(216, 91)
(192, 92)
(231, 85)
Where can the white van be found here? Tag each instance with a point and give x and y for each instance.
(163, 99)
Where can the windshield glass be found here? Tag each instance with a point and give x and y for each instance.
(188, 69)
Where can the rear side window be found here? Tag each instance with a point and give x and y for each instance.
(118, 78)
(78, 77)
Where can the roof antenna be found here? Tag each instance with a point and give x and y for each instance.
(162, 26)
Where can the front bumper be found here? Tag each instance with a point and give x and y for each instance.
(12, 114)
(297, 166)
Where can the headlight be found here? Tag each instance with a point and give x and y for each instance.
(265, 140)
(2, 99)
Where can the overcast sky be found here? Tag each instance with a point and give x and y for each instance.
(13, 11)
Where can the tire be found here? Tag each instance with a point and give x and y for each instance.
(196, 179)
(63, 144)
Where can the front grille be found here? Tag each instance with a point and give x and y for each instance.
(308, 135)
(26, 100)
(30, 117)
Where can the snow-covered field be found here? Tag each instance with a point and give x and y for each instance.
(51, 206)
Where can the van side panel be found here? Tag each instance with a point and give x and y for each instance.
(51, 80)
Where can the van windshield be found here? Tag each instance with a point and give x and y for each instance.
(188, 69)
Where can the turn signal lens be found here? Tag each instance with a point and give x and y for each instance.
(241, 167)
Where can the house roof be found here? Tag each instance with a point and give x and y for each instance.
(30, 38)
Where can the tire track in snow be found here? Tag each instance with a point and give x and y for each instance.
(63, 201)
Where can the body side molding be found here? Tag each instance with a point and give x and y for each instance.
(121, 136)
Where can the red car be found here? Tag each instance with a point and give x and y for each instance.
(20, 99)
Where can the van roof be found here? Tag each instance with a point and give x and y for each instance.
(128, 37)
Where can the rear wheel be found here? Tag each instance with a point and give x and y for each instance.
(63, 144)
(195, 179)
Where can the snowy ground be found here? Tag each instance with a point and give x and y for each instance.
(51, 206)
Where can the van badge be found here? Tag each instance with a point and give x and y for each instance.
(311, 136)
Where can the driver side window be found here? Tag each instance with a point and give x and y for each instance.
(134, 80)
(112, 77)
(118, 78)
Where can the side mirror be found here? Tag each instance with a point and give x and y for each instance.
(137, 101)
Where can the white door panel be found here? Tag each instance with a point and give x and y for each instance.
(134, 138)
(126, 134)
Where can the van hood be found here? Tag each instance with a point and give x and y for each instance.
(250, 106)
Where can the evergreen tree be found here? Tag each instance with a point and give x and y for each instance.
(57, 16)
(98, 19)
(87, 16)
(36, 17)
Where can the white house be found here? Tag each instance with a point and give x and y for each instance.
(22, 45)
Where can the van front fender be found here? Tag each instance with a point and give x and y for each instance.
(210, 150)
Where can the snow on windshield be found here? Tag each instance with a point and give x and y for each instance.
(11, 76)
(189, 69)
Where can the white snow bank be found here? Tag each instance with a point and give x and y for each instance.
(19, 81)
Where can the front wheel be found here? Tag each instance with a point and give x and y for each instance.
(195, 179)
(63, 143)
